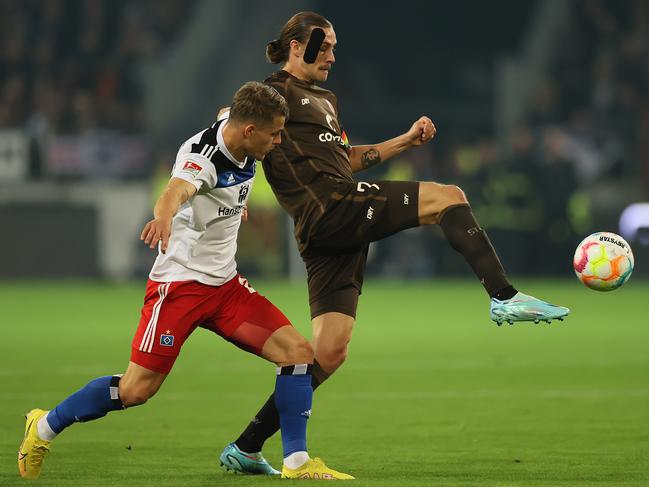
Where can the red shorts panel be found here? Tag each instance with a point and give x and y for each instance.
(173, 310)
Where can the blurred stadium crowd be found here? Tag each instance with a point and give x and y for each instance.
(73, 64)
(597, 94)
(577, 157)
(582, 149)
(72, 68)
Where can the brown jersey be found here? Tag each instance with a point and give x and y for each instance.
(313, 154)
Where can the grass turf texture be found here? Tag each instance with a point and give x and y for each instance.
(433, 393)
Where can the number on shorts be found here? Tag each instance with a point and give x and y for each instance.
(362, 185)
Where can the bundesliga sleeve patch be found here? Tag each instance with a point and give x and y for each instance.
(192, 168)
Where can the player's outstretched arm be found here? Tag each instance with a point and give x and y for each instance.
(365, 156)
(159, 229)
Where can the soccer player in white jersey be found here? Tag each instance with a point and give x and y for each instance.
(194, 283)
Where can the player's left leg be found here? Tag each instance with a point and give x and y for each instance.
(293, 398)
(290, 401)
(333, 302)
(448, 206)
(254, 319)
(170, 310)
(93, 401)
(376, 210)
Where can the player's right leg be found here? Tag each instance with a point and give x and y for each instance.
(333, 312)
(93, 401)
(292, 399)
(259, 327)
(332, 333)
(448, 206)
(286, 348)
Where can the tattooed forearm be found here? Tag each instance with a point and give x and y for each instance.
(370, 158)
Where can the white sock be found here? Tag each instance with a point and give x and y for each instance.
(296, 460)
(44, 431)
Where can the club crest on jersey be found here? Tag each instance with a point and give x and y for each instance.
(243, 192)
(192, 168)
(167, 340)
(330, 119)
(331, 107)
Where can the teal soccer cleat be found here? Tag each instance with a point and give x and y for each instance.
(525, 308)
(247, 463)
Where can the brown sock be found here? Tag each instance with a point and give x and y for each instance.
(465, 235)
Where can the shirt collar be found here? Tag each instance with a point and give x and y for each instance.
(224, 148)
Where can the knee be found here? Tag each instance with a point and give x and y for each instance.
(455, 195)
(437, 198)
(300, 353)
(295, 351)
(331, 358)
(441, 194)
(135, 394)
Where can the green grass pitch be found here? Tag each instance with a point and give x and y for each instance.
(432, 393)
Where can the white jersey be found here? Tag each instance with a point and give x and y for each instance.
(203, 239)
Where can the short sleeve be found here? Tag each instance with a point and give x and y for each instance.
(196, 169)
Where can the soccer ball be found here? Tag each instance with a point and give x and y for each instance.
(603, 261)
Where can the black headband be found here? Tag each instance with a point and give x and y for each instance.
(313, 46)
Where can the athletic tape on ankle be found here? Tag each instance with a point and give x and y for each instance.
(298, 369)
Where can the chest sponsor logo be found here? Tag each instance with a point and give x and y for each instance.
(192, 168)
(329, 137)
(225, 211)
(333, 137)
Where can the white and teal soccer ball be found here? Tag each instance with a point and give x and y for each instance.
(603, 261)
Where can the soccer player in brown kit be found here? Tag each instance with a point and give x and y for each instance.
(336, 217)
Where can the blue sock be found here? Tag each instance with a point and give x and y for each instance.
(93, 401)
(293, 397)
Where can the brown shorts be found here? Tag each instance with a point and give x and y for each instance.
(356, 214)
